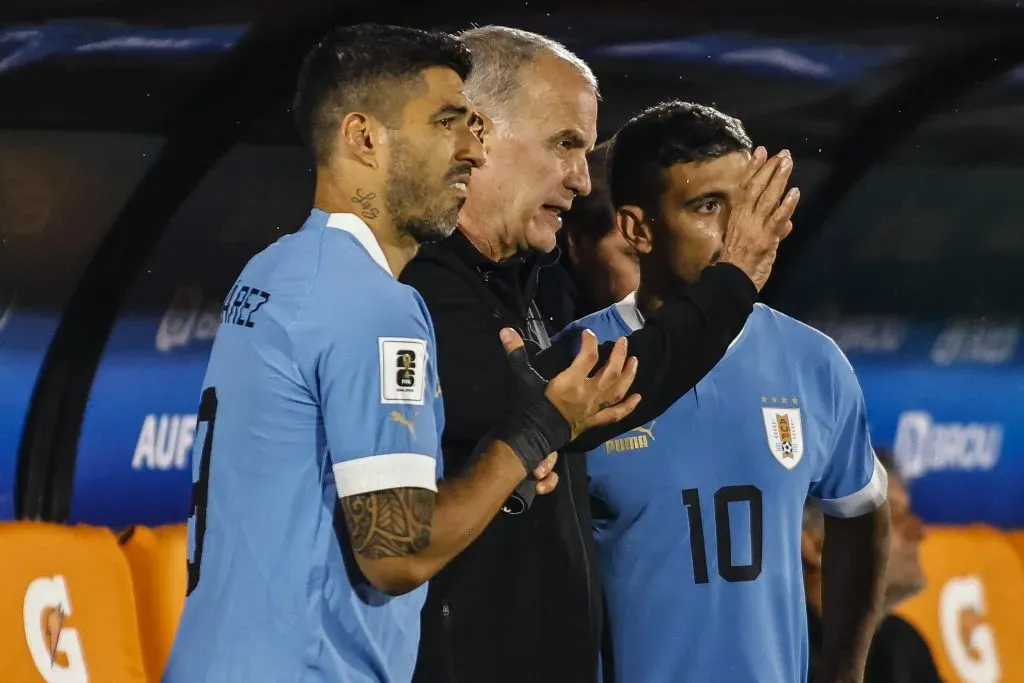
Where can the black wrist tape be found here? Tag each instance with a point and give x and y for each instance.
(533, 432)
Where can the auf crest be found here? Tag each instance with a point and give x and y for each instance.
(784, 430)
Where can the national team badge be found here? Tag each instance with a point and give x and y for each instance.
(785, 433)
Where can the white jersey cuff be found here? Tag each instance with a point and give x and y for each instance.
(387, 471)
(862, 502)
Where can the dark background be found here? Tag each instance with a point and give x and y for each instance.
(146, 152)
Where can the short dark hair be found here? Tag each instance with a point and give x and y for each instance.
(592, 217)
(349, 68)
(662, 136)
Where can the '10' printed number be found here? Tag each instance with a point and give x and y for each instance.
(698, 549)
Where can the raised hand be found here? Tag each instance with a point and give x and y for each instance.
(760, 220)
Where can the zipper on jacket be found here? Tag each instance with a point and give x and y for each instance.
(446, 629)
(583, 546)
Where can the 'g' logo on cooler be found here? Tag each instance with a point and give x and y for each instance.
(970, 642)
(54, 646)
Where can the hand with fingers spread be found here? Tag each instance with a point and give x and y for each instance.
(761, 219)
(544, 416)
(587, 401)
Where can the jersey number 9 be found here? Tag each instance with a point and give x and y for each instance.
(206, 417)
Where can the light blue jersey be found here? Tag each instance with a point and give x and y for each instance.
(698, 513)
(322, 384)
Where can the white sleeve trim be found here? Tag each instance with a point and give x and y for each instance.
(872, 495)
(387, 471)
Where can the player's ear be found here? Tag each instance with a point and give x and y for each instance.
(632, 224)
(361, 136)
(811, 543)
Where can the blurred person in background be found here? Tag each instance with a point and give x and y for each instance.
(599, 265)
(898, 653)
(523, 602)
(696, 513)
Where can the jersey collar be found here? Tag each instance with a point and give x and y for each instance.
(630, 314)
(634, 319)
(354, 225)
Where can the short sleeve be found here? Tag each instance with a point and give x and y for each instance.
(853, 482)
(369, 360)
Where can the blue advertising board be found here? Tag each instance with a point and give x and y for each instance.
(24, 338)
(60, 190)
(133, 462)
(948, 400)
(134, 452)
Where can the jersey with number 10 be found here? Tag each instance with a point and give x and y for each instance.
(698, 513)
(321, 385)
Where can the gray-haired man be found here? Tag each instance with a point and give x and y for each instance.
(523, 602)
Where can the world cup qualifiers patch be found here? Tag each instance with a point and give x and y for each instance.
(403, 367)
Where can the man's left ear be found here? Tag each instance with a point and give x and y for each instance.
(632, 225)
(362, 136)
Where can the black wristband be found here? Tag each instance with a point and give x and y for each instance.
(522, 497)
(533, 432)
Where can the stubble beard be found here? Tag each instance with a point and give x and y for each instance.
(419, 209)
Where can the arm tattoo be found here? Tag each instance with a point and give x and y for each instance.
(391, 523)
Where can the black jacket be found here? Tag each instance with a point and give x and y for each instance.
(898, 653)
(523, 602)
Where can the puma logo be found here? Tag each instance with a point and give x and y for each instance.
(631, 443)
(403, 420)
(648, 431)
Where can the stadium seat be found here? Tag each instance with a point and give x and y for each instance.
(66, 606)
(970, 612)
(157, 560)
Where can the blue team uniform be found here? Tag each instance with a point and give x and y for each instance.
(321, 384)
(698, 513)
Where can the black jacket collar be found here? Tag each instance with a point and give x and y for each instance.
(524, 266)
(459, 245)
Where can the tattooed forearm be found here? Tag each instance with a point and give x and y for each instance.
(390, 523)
